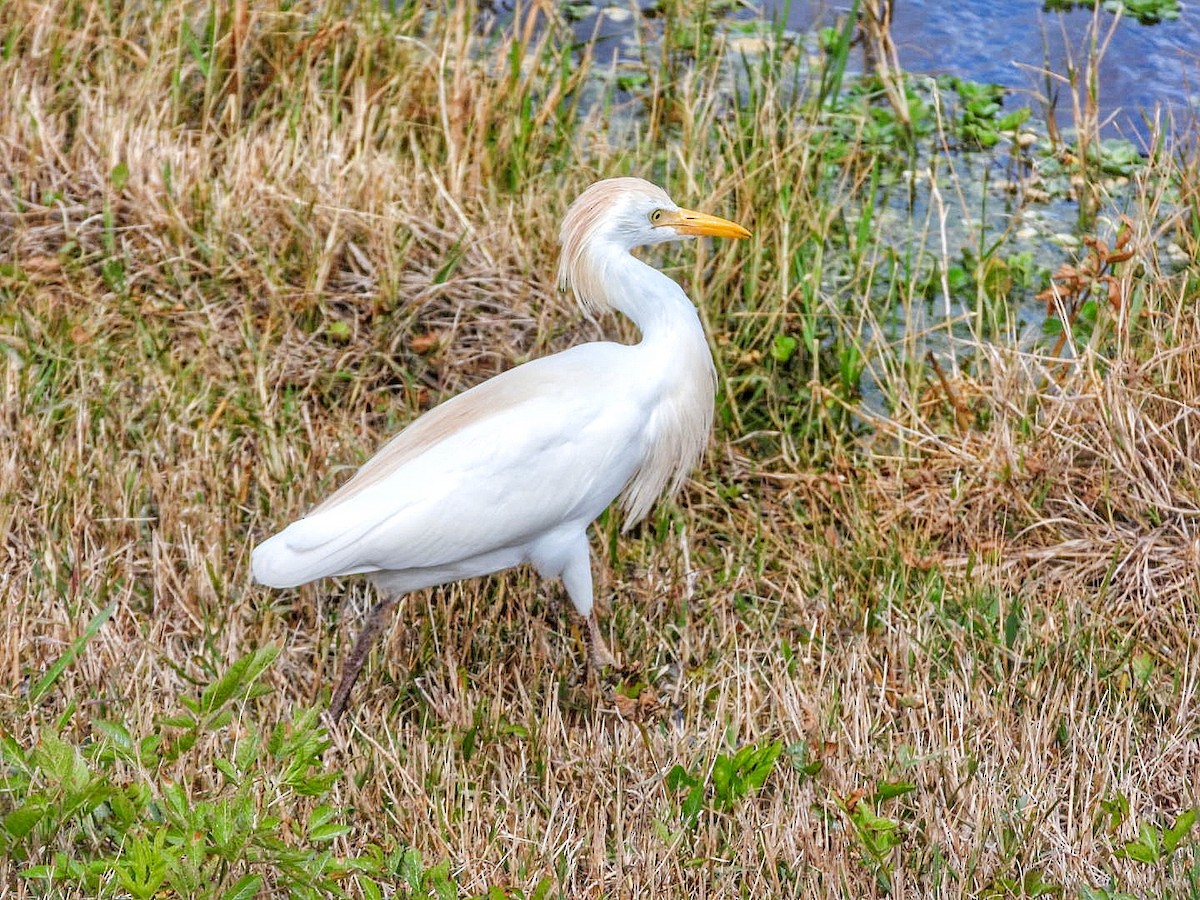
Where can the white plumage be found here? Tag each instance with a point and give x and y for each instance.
(515, 469)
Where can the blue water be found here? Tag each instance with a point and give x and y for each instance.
(1008, 42)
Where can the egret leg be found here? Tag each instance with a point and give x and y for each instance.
(598, 653)
(367, 636)
(577, 577)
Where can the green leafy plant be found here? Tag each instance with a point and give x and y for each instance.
(1153, 848)
(1114, 156)
(1088, 892)
(730, 779)
(733, 777)
(1146, 12)
(1156, 845)
(1032, 883)
(877, 834)
(981, 120)
(106, 817)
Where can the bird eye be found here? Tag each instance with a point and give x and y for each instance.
(656, 217)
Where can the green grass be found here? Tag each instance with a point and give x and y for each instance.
(923, 624)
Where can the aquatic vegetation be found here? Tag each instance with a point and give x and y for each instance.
(1147, 12)
(981, 120)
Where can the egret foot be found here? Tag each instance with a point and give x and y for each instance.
(367, 636)
(598, 653)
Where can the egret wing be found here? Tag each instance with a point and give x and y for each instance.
(549, 442)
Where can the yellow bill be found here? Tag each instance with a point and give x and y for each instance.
(690, 222)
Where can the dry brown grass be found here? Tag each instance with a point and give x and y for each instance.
(341, 225)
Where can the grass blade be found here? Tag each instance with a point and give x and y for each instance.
(47, 681)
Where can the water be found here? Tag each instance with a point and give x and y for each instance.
(1010, 42)
(1144, 67)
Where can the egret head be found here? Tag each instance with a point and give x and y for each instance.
(620, 214)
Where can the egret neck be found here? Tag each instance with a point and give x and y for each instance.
(674, 370)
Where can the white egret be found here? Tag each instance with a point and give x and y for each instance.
(514, 470)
